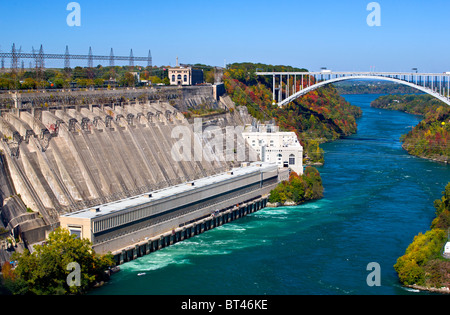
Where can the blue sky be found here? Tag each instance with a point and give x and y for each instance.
(310, 34)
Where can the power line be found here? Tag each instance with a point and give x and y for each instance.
(15, 55)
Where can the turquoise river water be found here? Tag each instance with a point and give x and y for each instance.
(377, 198)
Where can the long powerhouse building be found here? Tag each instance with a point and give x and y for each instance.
(116, 225)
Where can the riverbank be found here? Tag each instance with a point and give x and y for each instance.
(431, 137)
(423, 265)
(298, 189)
(437, 158)
(443, 290)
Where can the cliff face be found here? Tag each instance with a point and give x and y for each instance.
(65, 160)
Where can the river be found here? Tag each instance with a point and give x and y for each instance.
(376, 199)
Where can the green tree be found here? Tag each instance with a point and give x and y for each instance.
(45, 270)
(79, 73)
(166, 81)
(29, 83)
(99, 82)
(422, 263)
(59, 83)
(155, 80)
(129, 79)
(442, 207)
(299, 188)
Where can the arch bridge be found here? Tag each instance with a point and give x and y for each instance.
(288, 86)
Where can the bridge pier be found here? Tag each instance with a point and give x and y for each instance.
(273, 88)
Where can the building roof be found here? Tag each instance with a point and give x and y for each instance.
(179, 68)
(158, 195)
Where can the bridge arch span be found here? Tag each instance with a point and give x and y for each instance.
(373, 77)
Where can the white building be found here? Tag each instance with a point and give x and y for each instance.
(274, 146)
(447, 249)
(185, 75)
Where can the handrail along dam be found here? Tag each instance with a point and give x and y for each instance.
(104, 170)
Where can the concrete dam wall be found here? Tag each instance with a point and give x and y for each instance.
(59, 161)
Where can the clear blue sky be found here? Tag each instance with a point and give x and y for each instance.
(310, 34)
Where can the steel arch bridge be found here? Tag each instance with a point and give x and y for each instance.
(434, 84)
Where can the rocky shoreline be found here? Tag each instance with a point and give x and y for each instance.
(443, 290)
(288, 203)
(443, 160)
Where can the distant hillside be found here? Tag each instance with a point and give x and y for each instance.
(372, 87)
(317, 117)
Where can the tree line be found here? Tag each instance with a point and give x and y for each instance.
(96, 77)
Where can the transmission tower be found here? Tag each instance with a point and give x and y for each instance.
(37, 56)
(67, 58)
(90, 59)
(41, 60)
(111, 58)
(14, 58)
(33, 53)
(131, 59)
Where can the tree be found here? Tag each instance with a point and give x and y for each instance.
(29, 83)
(129, 79)
(209, 76)
(79, 73)
(155, 80)
(99, 82)
(59, 83)
(45, 270)
(425, 248)
(166, 81)
(299, 188)
(145, 75)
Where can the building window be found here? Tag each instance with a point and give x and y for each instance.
(173, 77)
(185, 78)
(179, 77)
(292, 159)
(75, 231)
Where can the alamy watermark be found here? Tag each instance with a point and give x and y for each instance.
(374, 17)
(74, 17)
(210, 144)
(74, 278)
(374, 277)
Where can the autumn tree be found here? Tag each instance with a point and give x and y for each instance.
(422, 263)
(45, 271)
(299, 188)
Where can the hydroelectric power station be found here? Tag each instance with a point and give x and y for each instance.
(101, 164)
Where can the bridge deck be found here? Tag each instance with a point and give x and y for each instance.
(434, 84)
